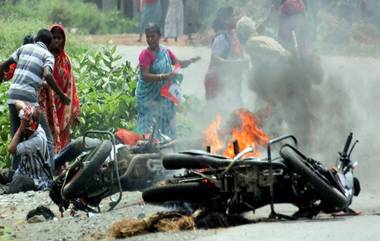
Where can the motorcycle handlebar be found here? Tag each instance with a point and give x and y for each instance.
(347, 145)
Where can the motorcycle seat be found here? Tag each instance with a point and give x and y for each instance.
(194, 160)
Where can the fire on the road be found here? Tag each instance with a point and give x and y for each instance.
(244, 129)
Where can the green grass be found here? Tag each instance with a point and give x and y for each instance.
(74, 14)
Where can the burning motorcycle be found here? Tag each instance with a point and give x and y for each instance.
(104, 168)
(244, 183)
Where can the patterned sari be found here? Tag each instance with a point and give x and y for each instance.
(150, 104)
(61, 117)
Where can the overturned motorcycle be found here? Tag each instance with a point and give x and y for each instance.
(233, 186)
(104, 168)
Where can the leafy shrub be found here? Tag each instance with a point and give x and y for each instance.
(106, 91)
(5, 126)
(106, 88)
(12, 33)
(85, 17)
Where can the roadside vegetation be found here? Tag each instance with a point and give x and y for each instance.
(78, 16)
(105, 83)
(106, 87)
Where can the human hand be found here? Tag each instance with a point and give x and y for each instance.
(65, 100)
(45, 84)
(171, 75)
(24, 121)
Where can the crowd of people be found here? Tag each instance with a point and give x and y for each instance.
(43, 102)
(174, 17)
(43, 106)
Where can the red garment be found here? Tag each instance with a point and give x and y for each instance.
(61, 117)
(290, 7)
(128, 137)
(9, 74)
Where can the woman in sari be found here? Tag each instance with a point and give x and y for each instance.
(60, 117)
(156, 72)
(224, 76)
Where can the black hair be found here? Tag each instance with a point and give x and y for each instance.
(220, 19)
(44, 36)
(28, 39)
(153, 27)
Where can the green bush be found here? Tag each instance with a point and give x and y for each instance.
(5, 134)
(106, 90)
(75, 14)
(12, 33)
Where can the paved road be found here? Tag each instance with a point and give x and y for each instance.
(357, 80)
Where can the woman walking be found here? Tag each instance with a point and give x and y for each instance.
(156, 72)
(174, 20)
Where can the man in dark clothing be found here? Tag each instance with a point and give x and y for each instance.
(34, 63)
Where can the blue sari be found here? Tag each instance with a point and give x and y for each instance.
(150, 103)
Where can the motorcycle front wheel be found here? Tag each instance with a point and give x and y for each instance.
(89, 166)
(328, 193)
(189, 192)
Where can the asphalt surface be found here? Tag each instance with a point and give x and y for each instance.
(359, 80)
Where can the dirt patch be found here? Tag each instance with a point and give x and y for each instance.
(132, 39)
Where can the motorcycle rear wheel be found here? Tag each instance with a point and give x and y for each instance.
(328, 193)
(91, 164)
(189, 192)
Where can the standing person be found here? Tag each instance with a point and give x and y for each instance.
(292, 29)
(164, 12)
(192, 17)
(8, 75)
(30, 144)
(34, 63)
(61, 117)
(174, 20)
(156, 70)
(150, 13)
(224, 75)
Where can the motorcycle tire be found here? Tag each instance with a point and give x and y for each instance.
(328, 193)
(190, 192)
(91, 164)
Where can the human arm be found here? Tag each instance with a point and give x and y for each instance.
(186, 63)
(146, 59)
(149, 77)
(48, 76)
(12, 148)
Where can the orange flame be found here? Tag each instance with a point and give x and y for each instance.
(211, 134)
(247, 132)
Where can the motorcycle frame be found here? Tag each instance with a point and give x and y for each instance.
(273, 213)
(114, 166)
